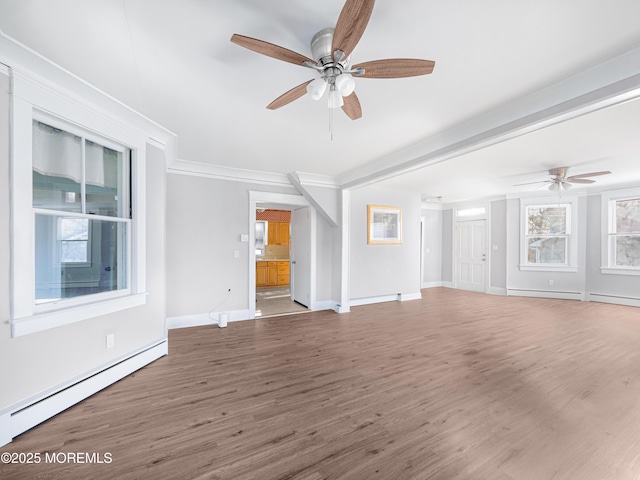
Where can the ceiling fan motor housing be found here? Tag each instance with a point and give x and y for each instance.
(321, 47)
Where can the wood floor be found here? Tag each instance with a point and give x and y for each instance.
(455, 386)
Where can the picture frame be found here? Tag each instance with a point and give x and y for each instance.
(384, 225)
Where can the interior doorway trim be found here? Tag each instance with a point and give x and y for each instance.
(284, 199)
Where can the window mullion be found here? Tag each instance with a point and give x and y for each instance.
(83, 189)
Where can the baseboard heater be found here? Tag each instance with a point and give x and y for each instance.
(545, 294)
(40, 410)
(615, 299)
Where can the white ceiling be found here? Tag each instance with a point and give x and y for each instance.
(173, 62)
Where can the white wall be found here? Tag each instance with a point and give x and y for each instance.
(498, 246)
(563, 282)
(379, 270)
(432, 247)
(324, 260)
(447, 246)
(205, 218)
(597, 282)
(38, 362)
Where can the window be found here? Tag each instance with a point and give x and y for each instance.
(471, 212)
(548, 239)
(77, 207)
(81, 206)
(547, 234)
(621, 239)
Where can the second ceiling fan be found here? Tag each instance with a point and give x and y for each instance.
(331, 49)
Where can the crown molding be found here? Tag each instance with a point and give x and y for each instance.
(185, 167)
(316, 180)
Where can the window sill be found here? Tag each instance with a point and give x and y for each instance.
(58, 318)
(620, 271)
(548, 268)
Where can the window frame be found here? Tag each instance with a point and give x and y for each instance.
(608, 201)
(571, 260)
(31, 100)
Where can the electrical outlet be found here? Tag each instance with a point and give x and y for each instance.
(236, 254)
(111, 340)
(551, 282)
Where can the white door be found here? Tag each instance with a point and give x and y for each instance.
(471, 255)
(301, 256)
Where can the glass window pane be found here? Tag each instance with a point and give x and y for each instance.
(74, 251)
(62, 241)
(57, 169)
(547, 220)
(74, 240)
(541, 250)
(627, 248)
(103, 180)
(628, 216)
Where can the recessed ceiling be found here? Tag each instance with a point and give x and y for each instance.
(174, 63)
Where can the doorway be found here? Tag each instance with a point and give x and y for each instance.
(470, 255)
(275, 291)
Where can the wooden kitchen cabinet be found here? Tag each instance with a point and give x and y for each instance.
(261, 274)
(283, 273)
(272, 273)
(284, 233)
(278, 233)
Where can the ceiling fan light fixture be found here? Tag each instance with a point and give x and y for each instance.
(316, 88)
(566, 185)
(345, 84)
(554, 187)
(335, 99)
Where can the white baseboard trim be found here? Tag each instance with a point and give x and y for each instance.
(448, 285)
(185, 321)
(325, 305)
(431, 284)
(202, 319)
(603, 298)
(546, 294)
(23, 416)
(403, 297)
(497, 291)
(355, 302)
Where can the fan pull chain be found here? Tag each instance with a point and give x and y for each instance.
(331, 123)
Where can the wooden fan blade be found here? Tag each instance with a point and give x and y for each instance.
(396, 68)
(579, 180)
(351, 24)
(352, 107)
(270, 50)
(288, 97)
(592, 174)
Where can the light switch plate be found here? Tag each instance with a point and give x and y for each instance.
(244, 237)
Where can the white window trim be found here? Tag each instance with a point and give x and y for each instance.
(607, 200)
(572, 227)
(29, 99)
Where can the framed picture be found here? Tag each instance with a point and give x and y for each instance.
(384, 225)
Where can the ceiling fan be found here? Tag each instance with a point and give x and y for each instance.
(331, 49)
(560, 180)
